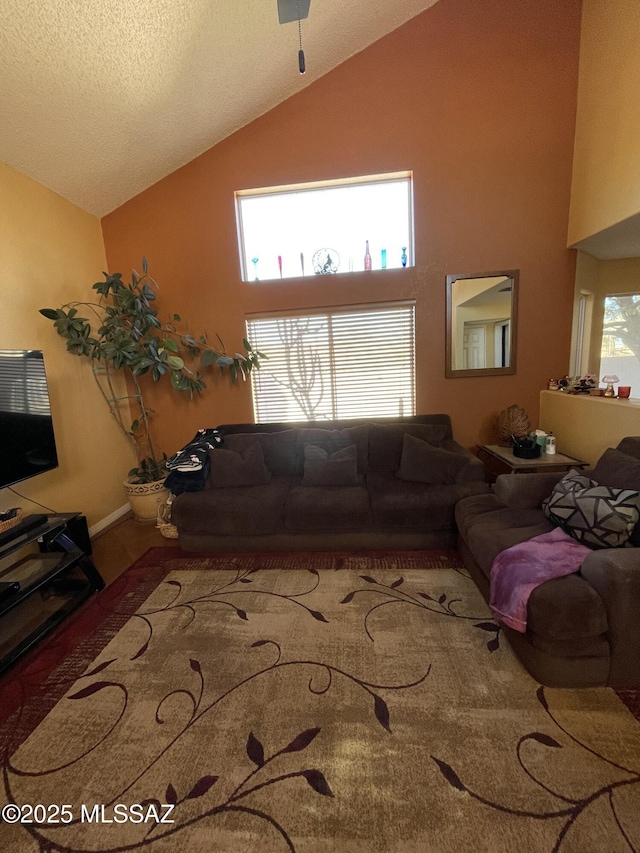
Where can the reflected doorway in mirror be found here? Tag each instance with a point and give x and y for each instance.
(481, 324)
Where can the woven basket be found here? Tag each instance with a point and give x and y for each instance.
(12, 522)
(163, 523)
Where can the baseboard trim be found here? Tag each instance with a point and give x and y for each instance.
(101, 525)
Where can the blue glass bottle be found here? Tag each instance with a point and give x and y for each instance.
(404, 256)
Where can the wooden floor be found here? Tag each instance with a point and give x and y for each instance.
(121, 544)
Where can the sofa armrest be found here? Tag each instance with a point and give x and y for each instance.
(474, 469)
(525, 491)
(615, 574)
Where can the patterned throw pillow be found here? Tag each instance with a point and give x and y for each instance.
(595, 515)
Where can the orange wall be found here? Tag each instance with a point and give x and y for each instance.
(479, 100)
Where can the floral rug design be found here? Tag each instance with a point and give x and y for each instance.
(313, 704)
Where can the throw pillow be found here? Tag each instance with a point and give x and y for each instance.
(621, 471)
(385, 442)
(335, 439)
(335, 469)
(595, 515)
(230, 469)
(421, 462)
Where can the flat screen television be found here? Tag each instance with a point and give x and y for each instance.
(27, 441)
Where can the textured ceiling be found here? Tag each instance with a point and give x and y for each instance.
(99, 99)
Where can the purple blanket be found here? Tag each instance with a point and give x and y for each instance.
(518, 570)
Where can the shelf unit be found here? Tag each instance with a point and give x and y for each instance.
(53, 580)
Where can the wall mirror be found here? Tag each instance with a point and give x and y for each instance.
(482, 313)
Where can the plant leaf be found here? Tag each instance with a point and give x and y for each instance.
(201, 787)
(368, 579)
(171, 797)
(195, 665)
(242, 614)
(424, 595)
(208, 357)
(302, 741)
(442, 598)
(493, 645)
(170, 344)
(317, 781)
(348, 597)
(397, 583)
(255, 750)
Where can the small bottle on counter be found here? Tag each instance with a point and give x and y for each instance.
(550, 446)
(367, 257)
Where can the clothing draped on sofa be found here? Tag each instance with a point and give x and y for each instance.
(518, 570)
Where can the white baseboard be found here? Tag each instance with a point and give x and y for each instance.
(101, 525)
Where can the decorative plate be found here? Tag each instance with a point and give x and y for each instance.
(325, 262)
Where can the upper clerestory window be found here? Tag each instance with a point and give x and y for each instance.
(327, 227)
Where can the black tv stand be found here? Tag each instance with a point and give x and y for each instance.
(23, 526)
(54, 575)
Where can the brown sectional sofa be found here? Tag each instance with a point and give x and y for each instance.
(385, 504)
(583, 630)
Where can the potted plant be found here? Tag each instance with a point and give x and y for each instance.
(125, 334)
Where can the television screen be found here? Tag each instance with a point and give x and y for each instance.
(27, 442)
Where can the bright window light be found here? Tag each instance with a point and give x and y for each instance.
(288, 232)
(620, 354)
(335, 363)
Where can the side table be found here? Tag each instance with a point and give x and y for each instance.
(500, 460)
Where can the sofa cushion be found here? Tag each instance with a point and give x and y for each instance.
(332, 440)
(278, 448)
(421, 462)
(400, 504)
(595, 515)
(330, 469)
(244, 511)
(229, 469)
(327, 508)
(566, 608)
(621, 471)
(385, 442)
(488, 527)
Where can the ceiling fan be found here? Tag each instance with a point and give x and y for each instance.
(295, 10)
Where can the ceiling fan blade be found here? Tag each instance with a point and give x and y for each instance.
(288, 10)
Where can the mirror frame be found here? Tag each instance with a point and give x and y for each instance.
(452, 373)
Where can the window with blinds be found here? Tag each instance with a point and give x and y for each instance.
(336, 363)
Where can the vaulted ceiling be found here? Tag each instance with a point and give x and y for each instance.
(99, 99)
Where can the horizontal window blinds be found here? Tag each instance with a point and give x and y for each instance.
(353, 363)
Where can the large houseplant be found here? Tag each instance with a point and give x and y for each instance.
(124, 333)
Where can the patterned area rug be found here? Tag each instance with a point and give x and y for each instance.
(316, 704)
